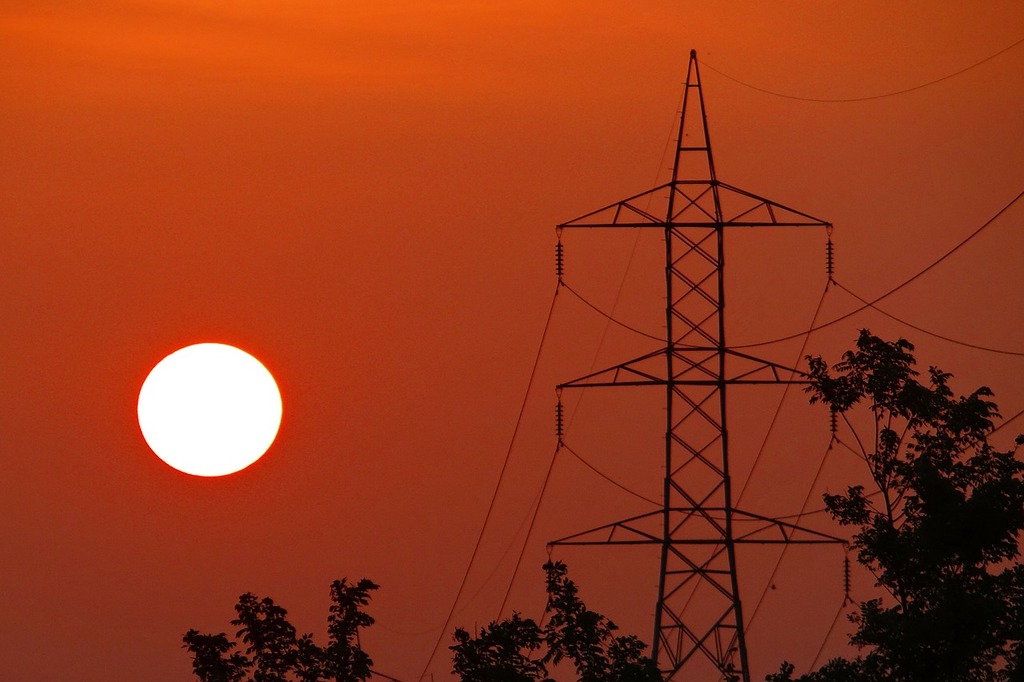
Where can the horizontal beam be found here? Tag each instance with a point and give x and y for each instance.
(683, 382)
(670, 225)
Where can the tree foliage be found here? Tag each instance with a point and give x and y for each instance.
(504, 651)
(274, 653)
(939, 529)
(517, 649)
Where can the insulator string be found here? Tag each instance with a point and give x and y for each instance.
(559, 257)
(847, 599)
(559, 422)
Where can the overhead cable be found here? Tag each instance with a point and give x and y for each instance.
(892, 291)
(529, 530)
(785, 547)
(609, 478)
(607, 316)
(868, 97)
(540, 499)
(497, 487)
(782, 399)
(828, 634)
(1008, 420)
(958, 342)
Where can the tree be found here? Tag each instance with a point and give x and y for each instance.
(940, 529)
(503, 652)
(515, 649)
(507, 650)
(274, 653)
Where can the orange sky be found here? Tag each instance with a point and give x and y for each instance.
(363, 196)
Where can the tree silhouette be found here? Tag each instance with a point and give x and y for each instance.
(507, 650)
(273, 652)
(940, 529)
(515, 649)
(503, 652)
(211, 661)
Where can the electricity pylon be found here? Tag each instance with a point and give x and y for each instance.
(697, 528)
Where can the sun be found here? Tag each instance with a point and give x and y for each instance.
(209, 409)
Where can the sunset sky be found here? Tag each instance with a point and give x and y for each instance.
(363, 196)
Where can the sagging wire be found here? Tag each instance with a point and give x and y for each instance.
(1006, 421)
(778, 407)
(847, 600)
(799, 355)
(529, 530)
(607, 316)
(608, 478)
(868, 97)
(778, 563)
(958, 342)
(893, 290)
(494, 496)
(561, 445)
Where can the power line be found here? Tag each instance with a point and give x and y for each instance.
(869, 97)
(925, 331)
(831, 628)
(497, 487)
(528, 519)
(956, 248)
(785, 393)
(608, 316)
(529, 530)
(785, 548)
(609, 478)
(896, 288)
(1008, 420)
(540, 499)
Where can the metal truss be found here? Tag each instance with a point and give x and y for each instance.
(697, 529)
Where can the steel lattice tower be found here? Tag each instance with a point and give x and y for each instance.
(697, 529)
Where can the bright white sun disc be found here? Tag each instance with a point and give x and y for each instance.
(209, 409)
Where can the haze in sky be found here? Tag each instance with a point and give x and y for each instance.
(363, 196)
